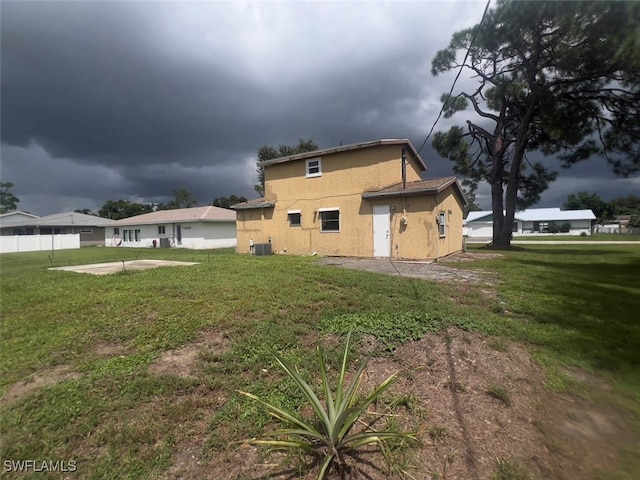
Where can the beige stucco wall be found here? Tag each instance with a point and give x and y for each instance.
(344, 177)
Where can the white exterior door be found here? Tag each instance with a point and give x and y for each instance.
(381, 233)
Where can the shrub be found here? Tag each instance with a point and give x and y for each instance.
(329, 437)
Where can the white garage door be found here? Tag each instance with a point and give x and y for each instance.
(484, 229)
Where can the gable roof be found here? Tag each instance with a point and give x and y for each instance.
(181, 215)
(68, 219)
(537, 215)
(11, 218)
(345, 148)
(431, 186)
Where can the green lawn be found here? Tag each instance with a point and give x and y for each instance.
(596, 237)
(574, 305)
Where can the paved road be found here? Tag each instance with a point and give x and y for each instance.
(555, 242)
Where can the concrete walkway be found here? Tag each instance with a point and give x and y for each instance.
(426, 270)
(114, 267)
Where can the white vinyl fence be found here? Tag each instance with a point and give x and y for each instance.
(34, 243)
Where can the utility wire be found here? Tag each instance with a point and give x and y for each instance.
(484, 14)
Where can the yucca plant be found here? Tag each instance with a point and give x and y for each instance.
(330, 435)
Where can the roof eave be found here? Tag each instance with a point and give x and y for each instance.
(121, 223)
(253, 207)
(401, 193)
(346, 148)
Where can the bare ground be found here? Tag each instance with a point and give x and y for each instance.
(464, 431)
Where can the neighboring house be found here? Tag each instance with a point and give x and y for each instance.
(361, 200)
(90, 228)
(197, 228)
(533, 221)
(11, 219)
(620, 224)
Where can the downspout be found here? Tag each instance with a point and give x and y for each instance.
(437, 229)
(404, 168)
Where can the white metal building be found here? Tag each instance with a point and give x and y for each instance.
(533, 221)
(196, 228)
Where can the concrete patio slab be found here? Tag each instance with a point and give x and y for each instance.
(114, 267)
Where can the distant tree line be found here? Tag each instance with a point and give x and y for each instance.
(8, 201)
(267, 152)
(629, 205)
(118, 209)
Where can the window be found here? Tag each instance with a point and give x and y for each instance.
(330, 220)
(442, 224)
(161, 230)
(540, 226)
(116, 231)
(86, 230)
(131, 235)
(295, 218)
(314, 167)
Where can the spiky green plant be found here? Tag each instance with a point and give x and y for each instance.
(330, 436)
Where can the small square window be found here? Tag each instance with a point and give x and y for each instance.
(314, 167)
(295, 219)
(330, 221)
(116, 230)
(161, 230)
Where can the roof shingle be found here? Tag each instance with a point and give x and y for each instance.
(183, 215)
(430, 186)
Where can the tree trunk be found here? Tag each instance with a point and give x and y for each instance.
(502, 238)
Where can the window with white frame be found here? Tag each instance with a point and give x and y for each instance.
(295, 218)
(314, 167)
(116, 230)
(330, 220)
(162, 230)
(131, 235)
(442, 224)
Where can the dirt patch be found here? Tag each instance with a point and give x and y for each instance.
(183, 361)
(42, 379)
(106, 350)
(475, 401)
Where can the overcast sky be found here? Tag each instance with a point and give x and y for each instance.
(131, 99)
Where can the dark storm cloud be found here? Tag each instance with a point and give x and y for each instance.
(85, 82)
(107, 100)
(167, 95)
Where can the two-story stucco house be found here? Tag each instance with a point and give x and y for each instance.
(361, 200)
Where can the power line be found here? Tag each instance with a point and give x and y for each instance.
(484, 14)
